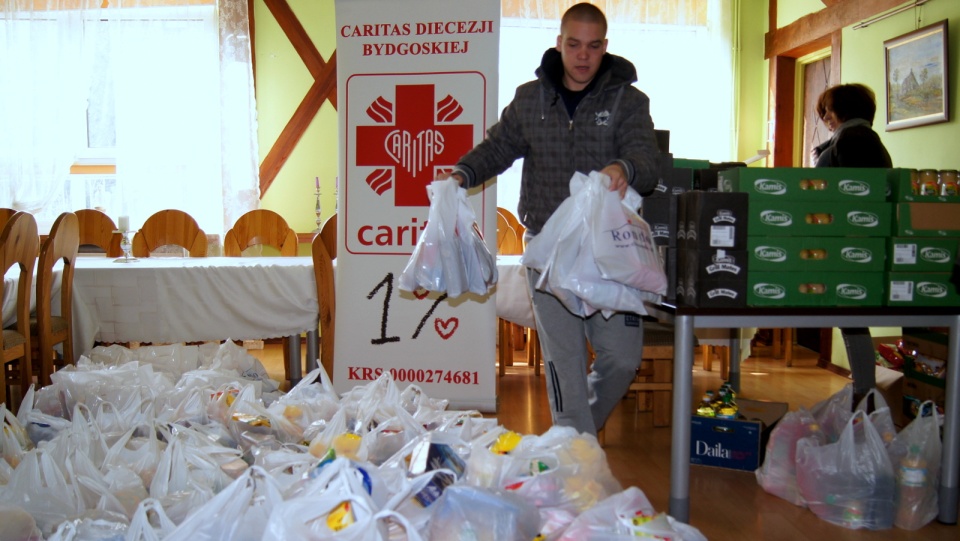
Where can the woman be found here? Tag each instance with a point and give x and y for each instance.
(848, 111)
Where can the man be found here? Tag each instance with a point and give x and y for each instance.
(580, 114)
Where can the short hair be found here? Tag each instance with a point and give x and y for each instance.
(848, 101)
(585, 12)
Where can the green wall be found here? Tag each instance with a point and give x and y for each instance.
(282, 81)
(862, 60)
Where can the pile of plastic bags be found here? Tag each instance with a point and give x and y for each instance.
(850, 465)
(186, 443)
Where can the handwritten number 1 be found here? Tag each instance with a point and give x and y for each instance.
(388, 281)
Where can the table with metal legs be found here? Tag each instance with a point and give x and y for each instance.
(686, 319)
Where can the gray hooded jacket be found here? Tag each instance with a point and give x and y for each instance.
(611, 124)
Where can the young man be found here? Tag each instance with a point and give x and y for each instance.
(580, 114)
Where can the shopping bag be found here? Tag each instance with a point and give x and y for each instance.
(915, 454)
(623, 244)
(778, 473)
(834, 412)
(450, 255)
(850, 482)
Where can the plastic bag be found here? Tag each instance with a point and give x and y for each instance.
(628, 515)
(450, 255)
(623, 243)
(915, 454)
(141, 527)
(465, 512)
(238, 513)
(778, 473)
(850, 482)
(874, 405)
(834, 412)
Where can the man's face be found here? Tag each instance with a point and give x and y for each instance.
(581, 46)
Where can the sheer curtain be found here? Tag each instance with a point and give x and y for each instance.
(163, 92)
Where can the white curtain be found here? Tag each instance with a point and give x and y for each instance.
(171, 104)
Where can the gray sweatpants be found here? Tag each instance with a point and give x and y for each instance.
(577, 398)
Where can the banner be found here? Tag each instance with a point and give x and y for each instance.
(416, 89)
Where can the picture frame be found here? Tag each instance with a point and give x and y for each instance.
(916, 77)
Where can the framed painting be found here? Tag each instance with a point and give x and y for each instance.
(916, 74)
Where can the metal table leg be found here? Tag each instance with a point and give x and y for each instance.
(313, 349)
(293, 359)
(950, 461)
(682, 400)
(734, 360)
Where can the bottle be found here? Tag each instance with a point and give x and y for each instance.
(728, 407)
(913, 484)
(706, 406)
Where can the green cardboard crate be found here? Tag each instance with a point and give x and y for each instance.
(853, 254)
(815, 288)
(806, 184)
(776, 218)
(921, 289)
(922, 254)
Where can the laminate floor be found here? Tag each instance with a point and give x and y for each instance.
(724, 504)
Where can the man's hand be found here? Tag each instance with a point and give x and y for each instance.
(454, 175)
(618, 178)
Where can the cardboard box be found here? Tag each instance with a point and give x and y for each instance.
(924, 341)
(673, 181)
(662, 215)
(922, 254)
(921, 289)
(735, 444)
(911, 407)
(815, 288)
(807, 184)
(916, 392)
(714, 220)
(776, 218)
(927, 219)
(713, 278)
(669, 257)
(852, 254)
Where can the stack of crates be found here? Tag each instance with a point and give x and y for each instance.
(923, 248)
(815, 236)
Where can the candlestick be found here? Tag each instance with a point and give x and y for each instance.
(318, 211)
(318, 182)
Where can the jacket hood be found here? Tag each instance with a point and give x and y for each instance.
(614, 70)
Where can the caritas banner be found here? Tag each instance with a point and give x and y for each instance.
(417, 89)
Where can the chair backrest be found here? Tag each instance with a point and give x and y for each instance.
(507, 241)
(260, 227)
(97, 229)
(170, 227)
(326, 300)
(329, 234)
(61, 245)
(5, 215)
(19, 243)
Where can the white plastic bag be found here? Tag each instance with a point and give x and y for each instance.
(450, 255)
(918, 483)
(778, 473)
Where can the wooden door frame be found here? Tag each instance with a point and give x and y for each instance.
(808, 34)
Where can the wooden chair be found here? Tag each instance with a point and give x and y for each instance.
(326, 299)
(5, 215)
(46, 329)
(654, 381)
(97, 229)
(18, 246)
(260, 227)
(329, 234)
(170, 227)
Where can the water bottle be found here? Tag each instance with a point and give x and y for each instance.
(913, 484)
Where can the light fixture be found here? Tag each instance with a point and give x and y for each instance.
(901, 9)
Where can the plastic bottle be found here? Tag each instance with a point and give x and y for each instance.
(705, 409)
(913, 483)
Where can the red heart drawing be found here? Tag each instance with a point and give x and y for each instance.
(421, 293)
(446, 328)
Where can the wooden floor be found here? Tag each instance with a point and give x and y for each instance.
(724, 504)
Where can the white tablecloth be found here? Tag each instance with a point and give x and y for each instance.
(163, 299)
(513, 297)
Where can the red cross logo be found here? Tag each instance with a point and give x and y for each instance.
(411, 142)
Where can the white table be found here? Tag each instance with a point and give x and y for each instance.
(173, 299)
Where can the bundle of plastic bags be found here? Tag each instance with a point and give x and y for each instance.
(451, 255)
(595, 253)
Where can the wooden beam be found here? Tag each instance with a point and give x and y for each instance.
(782, 83)
(796, 38)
